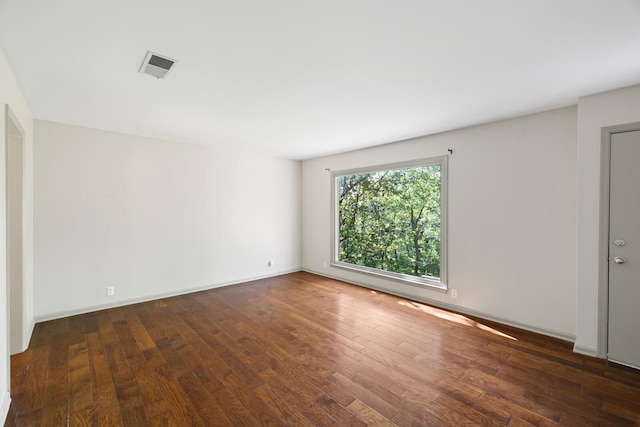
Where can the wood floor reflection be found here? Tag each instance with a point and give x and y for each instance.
(301, 350)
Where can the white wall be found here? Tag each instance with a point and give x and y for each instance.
(154, 217)
(610, 108)
(10, 94)
(512, 187)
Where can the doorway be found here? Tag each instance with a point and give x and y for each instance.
(621, 150)
(15, 271)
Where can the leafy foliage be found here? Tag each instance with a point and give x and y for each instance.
(390, 220)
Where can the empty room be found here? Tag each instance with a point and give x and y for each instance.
(356, 213)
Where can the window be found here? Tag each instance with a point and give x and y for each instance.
(391, 220)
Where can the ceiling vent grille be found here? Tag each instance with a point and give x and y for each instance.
(157, 66)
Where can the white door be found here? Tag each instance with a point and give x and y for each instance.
(624, 249)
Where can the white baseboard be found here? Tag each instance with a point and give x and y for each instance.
(4, 409)
(30, 327)
(587, 351)
(83, 310)
(459, 309)
(28, 333)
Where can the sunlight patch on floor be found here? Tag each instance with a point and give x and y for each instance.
(453, 317)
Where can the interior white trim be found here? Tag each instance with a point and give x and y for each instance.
(4, 409)
(29, 333)
(24, 332)
(554, 334)
(587, 351)
(121, 303)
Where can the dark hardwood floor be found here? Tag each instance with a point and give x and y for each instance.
(305, 350)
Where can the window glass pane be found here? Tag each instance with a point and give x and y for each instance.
(390, 220)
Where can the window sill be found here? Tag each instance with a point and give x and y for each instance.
(398, 277)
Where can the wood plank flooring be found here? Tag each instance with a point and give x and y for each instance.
(303, 350)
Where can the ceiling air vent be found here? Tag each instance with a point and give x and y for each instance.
(156, 65)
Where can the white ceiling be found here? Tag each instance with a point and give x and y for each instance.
(300, 78)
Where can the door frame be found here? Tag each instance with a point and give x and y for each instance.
(603, 252)
(11, 328)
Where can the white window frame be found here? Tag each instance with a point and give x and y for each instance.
(441, 282)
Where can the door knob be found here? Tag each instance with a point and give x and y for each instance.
(619, 260)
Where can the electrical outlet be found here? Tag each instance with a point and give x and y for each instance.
(325, 264)
(454, 293)
(111, 291)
